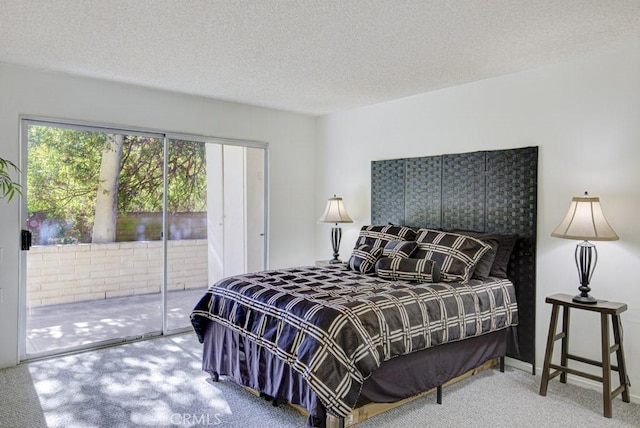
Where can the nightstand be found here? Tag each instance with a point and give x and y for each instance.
(606, 310)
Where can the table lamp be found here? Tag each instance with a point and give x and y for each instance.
(585, 221)
(335, 212)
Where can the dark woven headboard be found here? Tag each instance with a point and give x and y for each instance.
(490, 191)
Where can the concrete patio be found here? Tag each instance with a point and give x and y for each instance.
(59, 327)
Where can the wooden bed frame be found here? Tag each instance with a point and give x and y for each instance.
(370, 410)
(367, 411)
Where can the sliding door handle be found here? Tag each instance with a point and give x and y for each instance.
(25, 240)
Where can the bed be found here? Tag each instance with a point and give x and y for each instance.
(394, 321)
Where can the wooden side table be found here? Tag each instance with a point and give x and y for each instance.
(605, 309)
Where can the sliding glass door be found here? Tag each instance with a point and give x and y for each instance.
(128, 228)
(215, 218)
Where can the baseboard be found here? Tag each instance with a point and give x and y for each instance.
(596, 386)
(573, 380)
(517, 364)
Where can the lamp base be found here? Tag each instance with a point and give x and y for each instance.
(585, 299)
(336, 235)
(586, 259)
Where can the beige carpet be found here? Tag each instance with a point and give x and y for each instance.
(159, 383)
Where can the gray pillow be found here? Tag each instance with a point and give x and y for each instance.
(483, 267)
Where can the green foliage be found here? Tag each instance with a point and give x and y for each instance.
(63, 177)
(8, 187)
(140, 186)
(187, 172)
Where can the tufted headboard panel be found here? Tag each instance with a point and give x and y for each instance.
(489, 191)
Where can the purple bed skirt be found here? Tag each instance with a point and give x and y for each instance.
(225, 353)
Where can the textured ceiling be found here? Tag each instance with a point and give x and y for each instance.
(309, 56)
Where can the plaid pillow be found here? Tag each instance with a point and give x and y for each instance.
(364, 258)
(455, 254)
(506, 244)
(397, 268)
(402, 249)
(379, 236)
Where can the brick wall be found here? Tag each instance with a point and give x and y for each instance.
(73, 273)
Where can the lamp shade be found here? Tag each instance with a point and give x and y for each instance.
(335, 212)
(585, 221)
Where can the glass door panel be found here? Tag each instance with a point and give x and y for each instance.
(215, 219)
(188, 169)
(94, 205)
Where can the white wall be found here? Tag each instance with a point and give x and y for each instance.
(292, 164)
(585, 118)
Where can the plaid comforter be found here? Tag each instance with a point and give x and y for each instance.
(335, 326)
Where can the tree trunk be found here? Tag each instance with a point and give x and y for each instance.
(104, 226)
